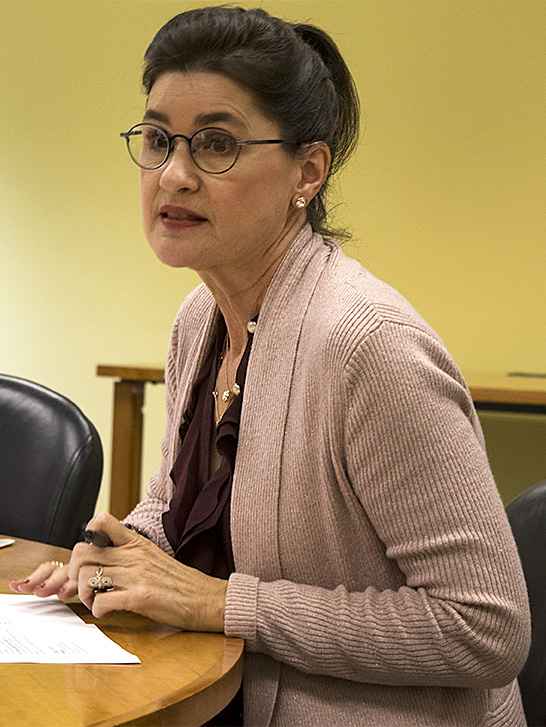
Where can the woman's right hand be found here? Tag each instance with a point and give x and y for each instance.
(47, 579)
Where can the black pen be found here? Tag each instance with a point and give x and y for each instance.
(98, 538)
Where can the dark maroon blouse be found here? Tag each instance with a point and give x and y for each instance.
(197, 522)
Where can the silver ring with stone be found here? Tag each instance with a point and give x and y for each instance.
(100, 583)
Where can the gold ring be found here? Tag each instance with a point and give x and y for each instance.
(57, 563)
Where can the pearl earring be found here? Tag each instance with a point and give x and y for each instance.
(300, 202)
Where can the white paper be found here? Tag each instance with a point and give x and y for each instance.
(45, 631)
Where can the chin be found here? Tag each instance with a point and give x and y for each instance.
(172, 253)
(173, 261)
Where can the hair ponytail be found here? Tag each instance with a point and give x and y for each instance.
(348, 120)
(340, 121)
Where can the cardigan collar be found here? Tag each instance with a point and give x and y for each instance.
(268, 384)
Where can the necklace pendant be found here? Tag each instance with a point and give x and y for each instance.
(226, 395)
(236, 389)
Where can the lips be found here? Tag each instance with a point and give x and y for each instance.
(179, 214)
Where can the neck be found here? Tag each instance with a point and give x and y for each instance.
(239, 294)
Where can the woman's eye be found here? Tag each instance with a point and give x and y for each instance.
(219, 144)
(155, 140)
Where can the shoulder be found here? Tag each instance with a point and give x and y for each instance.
(191, 331)
(364, 335)
(351, 307)
(376, 364)
(197, 304)
(197, 310)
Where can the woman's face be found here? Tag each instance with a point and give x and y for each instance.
(214, 223)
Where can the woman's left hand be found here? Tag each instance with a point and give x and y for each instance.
(146, 581)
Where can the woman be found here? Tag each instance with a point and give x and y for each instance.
(331, 501)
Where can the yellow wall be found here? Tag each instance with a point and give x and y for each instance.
(445, 197)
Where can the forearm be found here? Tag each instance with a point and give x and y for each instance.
(403, 637)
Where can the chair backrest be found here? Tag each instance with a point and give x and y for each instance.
(527, 516)
(50, 464)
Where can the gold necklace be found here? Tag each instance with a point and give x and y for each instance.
(229, 393)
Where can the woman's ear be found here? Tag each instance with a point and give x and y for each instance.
(314, 166)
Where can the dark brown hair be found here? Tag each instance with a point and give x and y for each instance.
(294, 71)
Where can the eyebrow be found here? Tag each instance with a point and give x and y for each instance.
(203, 120)
(215, 117)
(153, 115)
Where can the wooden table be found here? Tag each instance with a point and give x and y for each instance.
(184, 678)
(514, 392)
(491, 392)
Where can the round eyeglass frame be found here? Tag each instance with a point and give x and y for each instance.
(170, 146)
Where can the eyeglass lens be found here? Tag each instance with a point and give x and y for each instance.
(213, 150)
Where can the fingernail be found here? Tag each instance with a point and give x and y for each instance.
(27, 580)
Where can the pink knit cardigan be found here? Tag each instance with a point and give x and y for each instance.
(377, 582)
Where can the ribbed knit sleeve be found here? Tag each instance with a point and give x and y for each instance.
(407, 446)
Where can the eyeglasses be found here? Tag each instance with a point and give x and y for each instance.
(214, 151)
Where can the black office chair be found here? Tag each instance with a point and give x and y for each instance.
(527, 516)
(50, 464)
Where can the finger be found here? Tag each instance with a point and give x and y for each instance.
(86, 554)
(38, 576)
(89, 558)
(19, 586)
(55, 581)
(86, 592)
(105, 603)
(67, 590)
(94, 581)
(47, 579)
(107, 523)
(81, 555)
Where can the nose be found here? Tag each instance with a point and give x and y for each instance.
(180, 171)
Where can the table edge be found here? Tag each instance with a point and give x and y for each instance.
(176, 705)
